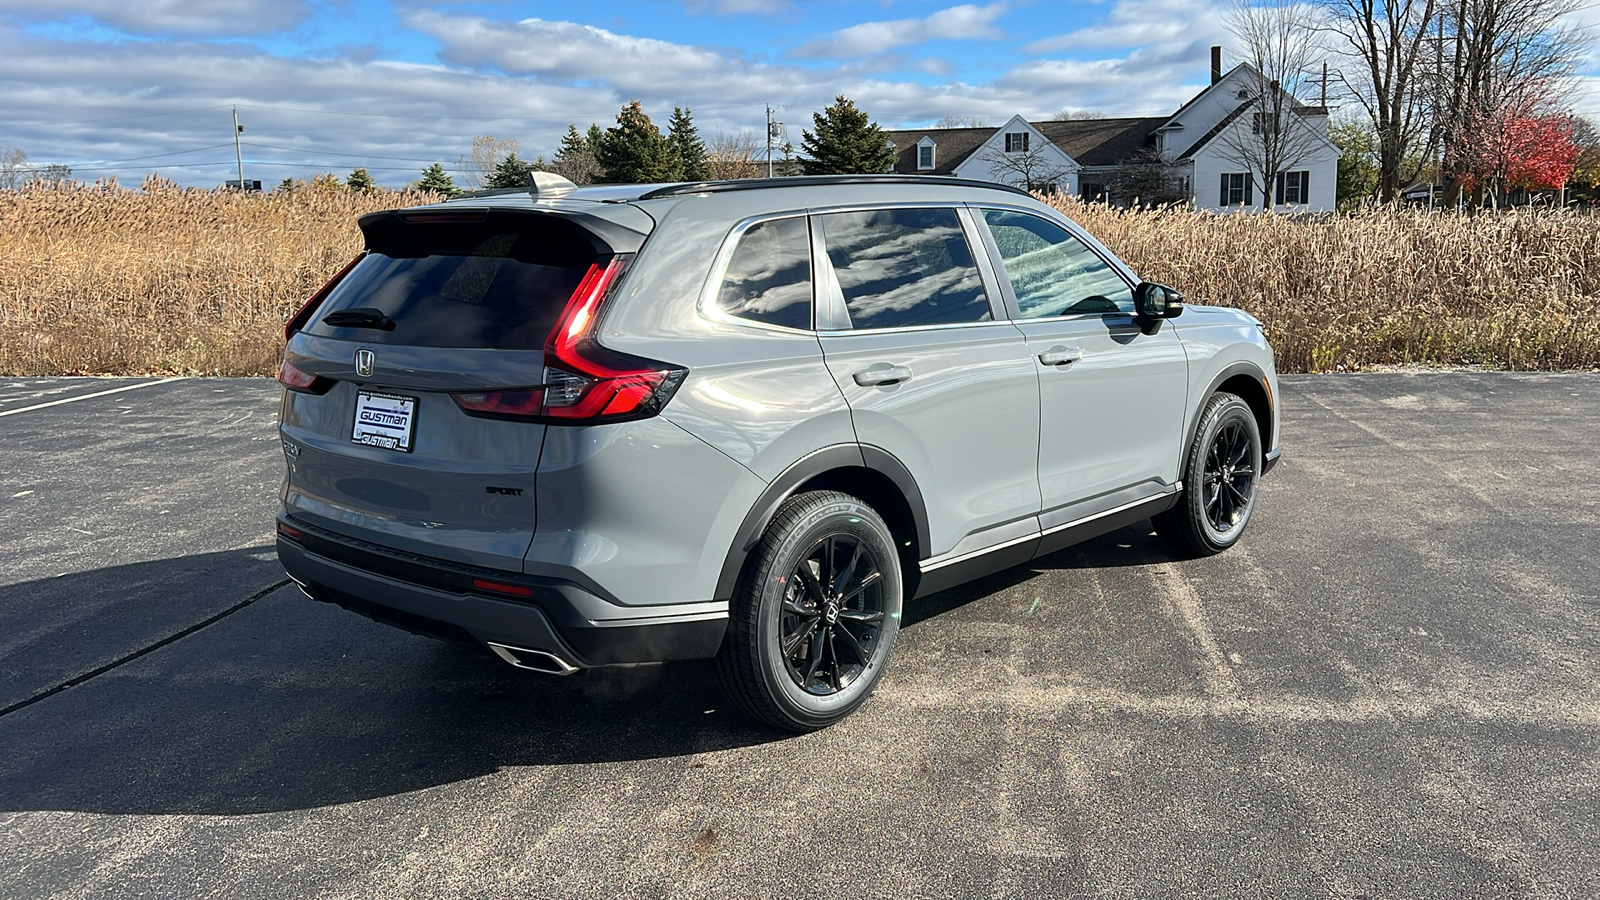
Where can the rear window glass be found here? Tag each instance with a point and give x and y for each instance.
(900, 268)
(498, 284)
(769, 277)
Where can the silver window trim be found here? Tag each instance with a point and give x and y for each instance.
(710, 309)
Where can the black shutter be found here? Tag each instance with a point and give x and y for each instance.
(1305, 187)
(1282, 177)
(1249, 189)
(1224, 201)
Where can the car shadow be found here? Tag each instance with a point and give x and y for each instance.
(293, 704)
(1134, 545)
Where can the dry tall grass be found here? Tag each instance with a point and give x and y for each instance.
(1515, 290)
(166, 280)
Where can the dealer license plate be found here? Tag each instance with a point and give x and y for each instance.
(385, 420)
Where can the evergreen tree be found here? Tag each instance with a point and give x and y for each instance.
(512, 172)
(359, 181)
(574, 159)
(687, 146)
(635, 151)
(435, 178)
(846, 142)
(286, 185)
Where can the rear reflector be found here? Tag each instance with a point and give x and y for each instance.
(515, 590)
(289, 531)
(584, 383)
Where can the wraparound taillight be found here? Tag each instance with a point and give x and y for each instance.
(299, 380)
(584, 383)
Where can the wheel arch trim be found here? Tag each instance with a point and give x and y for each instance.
(1262, 396)
(814, 464)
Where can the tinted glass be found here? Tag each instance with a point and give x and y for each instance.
(489, 285)
(1052, 272)
(904, 267)
(769, 277)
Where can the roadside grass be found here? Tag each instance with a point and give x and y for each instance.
(1512, 290)
(174, 281)
(166, 280)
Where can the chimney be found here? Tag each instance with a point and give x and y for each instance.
(1216, 64)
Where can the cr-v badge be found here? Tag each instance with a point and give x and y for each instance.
(363, 362)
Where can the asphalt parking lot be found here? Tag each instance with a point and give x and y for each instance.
(1388, 690)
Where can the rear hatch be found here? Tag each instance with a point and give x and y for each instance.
(412, 374)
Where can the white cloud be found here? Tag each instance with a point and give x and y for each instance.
(965, 22)
(189, 17)
(1137, 23)
(737, 7)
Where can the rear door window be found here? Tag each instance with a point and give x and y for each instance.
(768, 279)
(495, 284)
(902, 268)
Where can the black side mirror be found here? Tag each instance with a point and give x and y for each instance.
(1155, 302)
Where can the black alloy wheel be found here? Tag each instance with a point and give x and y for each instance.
(832, 614)
(1229, 481)
(1221, 472)
(815, 615)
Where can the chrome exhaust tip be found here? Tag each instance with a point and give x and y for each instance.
(533, 660)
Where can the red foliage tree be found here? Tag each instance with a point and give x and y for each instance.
(1522, 145)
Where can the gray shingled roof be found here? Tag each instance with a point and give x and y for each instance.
(1092, 142)
(952, 146)
(1102, 142)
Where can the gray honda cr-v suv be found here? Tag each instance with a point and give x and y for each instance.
(744, 420)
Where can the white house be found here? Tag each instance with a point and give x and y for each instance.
(1212, 148)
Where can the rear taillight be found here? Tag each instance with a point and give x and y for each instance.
(298, 380)
(584, 383)
(307, 309)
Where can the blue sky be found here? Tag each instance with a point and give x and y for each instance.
(125, 87)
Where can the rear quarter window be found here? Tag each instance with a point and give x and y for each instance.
(497, 284)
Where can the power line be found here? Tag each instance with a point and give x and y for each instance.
(107, 162)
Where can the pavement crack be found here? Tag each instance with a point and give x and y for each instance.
(151, 648)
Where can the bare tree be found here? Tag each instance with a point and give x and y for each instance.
(1388, 42)
(1034, 168)
(1072, 115)
(1277, 46)
(961, 122)
(17, 173)
(736, 154)
(488, 152)
(1147, 179)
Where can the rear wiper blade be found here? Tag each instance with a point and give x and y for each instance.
(360, 317)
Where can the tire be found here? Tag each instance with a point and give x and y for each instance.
(1221, 473)
(824, 582)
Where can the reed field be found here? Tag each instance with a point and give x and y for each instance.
(105, 280)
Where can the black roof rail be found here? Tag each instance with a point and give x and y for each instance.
(752, 184)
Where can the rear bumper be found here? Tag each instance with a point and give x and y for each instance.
(436, 599)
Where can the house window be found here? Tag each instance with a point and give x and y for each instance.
(1294, 187)
(1236, 189)
(1016, 142)
(925, 156)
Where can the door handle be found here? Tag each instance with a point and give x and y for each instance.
(1061, 355)
(882, 374)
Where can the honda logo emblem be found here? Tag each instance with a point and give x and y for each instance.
(364, 361)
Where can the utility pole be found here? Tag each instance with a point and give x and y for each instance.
(769, 140)
(238, 155)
